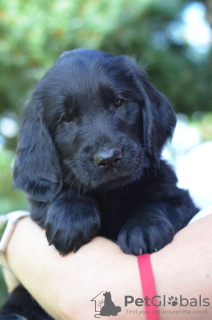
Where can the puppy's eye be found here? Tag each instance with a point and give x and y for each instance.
(67, 118)
(118, 102)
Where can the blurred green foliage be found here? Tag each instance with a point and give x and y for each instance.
(10, 200)
(3, 290)
(204, 125)
(34, 33)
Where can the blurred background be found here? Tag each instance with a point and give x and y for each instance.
(171, 39)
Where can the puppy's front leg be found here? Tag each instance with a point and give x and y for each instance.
(71, 221)
(147, 230)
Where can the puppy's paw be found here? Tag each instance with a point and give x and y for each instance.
(71, 224)
(137, 237)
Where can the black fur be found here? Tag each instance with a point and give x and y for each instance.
(89, 156)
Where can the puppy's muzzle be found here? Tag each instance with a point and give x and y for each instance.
(108, 159)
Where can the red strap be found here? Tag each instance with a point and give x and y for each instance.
(148, 287)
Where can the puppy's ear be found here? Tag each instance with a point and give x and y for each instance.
(37, 169)
(159, 120)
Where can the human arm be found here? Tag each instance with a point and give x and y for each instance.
(64, 286)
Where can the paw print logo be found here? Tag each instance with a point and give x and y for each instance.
(173, 301)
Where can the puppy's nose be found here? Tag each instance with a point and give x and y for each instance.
(108, 158)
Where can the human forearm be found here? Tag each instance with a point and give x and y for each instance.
(64, 286)
(184, 269)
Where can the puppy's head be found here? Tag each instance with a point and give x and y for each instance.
(93, 121)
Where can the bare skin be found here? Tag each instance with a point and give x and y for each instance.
(64, 286)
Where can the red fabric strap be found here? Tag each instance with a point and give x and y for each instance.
(148, 287)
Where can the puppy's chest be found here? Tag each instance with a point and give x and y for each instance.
(115, 209)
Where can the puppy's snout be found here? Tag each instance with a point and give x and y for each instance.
(108, 158)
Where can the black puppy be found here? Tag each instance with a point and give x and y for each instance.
(89, 156)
